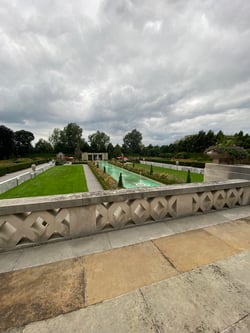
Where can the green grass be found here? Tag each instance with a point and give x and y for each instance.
(57, 180)
(195, 178)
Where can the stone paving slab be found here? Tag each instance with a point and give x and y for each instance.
(193, 249)
(92, 183)
(47, 291)
(66, 249)
(41, 292)
(206, 299)
(235, 234)
(242, 326)
(126, 314)
(119, 271)
(238, 267)
(53, 252)
(130, 236)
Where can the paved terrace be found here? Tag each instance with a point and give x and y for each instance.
(188, 274)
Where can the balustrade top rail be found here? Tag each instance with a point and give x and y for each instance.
(31, 221)
(15, 206)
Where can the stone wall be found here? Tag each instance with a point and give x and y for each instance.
(30, 221)
(94, 156)
(220, 172)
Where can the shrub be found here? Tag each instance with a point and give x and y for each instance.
(107, 182)
(188, 177)
(120, 183)
(3, 171)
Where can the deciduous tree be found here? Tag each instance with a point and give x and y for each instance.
(7, 142)
(99, 142)
(23, 142)
(132, 142)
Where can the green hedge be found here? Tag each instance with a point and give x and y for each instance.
(19, 166)
(3, 171)
(194, 164)
(98, 176)
(107, 182)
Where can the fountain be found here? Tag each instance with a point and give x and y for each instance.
(140, 182)
(130, 179)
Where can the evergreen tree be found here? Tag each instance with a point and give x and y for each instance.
(188, 177)
(120, 182)
(151, 169)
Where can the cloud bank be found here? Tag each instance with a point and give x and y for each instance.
(167, 68)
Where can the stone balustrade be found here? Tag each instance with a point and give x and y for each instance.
(29, 221)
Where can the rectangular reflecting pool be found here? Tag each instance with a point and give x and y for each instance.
(129, 179)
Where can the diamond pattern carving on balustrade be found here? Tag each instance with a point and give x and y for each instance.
(33, 226)
(140, 211)
(36, 227)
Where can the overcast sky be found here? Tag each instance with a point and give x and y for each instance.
(168, 68)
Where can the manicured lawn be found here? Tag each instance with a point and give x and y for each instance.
(195, 178)
(57, 180)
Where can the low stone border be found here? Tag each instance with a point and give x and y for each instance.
(13, 182)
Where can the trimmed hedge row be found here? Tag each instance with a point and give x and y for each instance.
(194, 164)
(107, 182)
(19, 166)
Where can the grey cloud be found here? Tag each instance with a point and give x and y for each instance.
(167, 68)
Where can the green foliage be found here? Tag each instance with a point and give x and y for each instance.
(99, 142)
(3, 171)
(43, 146)
(23, 142)
(57, 180)
(7, 143)
(162, 175)
(188, 177)
(66, 140)
(228, 151)
(194, 164)
(120, 182)
(107, 182)
(151, 169)
(117, 151)
(132, 142)
(13, 166)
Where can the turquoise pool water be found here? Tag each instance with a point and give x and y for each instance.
(129, 179)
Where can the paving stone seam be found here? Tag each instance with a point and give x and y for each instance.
(158, 250)
(165, 257)
(222, 240)
(84, 285)
(226, 330)
(156, 327)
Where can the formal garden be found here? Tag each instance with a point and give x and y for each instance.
(17, 153)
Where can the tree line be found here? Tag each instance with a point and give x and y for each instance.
(69, 140)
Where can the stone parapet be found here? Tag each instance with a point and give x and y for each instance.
(30, 221)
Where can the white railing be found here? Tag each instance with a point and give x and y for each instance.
(28, 221)
(175, 167)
